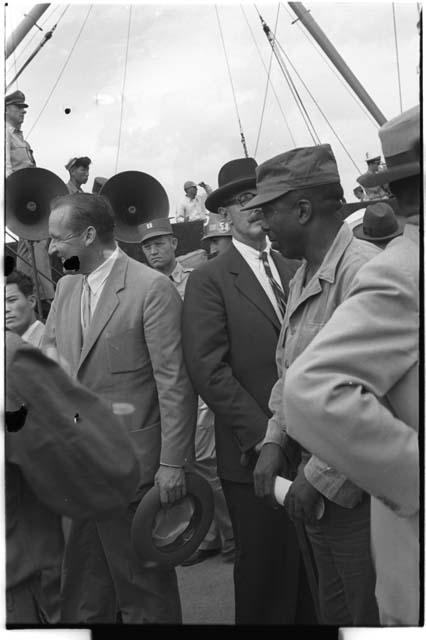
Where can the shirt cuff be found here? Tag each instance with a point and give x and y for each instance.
(173, 466)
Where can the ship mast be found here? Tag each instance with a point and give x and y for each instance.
(318, 34)
(24, 27)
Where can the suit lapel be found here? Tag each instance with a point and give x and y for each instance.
(247, 283)
(106, 306)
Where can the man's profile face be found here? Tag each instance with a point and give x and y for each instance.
(80, 174)
(64, 241)
(191, 192)
(246, 225)
(374, 165)
(280, 224)
(19, 309)
(15, 114)
(160, 251)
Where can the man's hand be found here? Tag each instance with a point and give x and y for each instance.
(301, 500)
(202, 184)
(171, 482)
(268, 466)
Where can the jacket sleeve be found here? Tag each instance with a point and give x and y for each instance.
(335, 395)
(207, 355)
(178, 405)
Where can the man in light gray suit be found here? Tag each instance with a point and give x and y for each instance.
(115, 325)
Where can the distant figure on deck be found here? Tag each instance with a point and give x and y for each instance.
(18, 152)
(379, 225)
(359, 193)
(78, 168)
(192, 207)
(373, 166)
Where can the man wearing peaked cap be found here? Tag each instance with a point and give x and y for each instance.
(301, 196)
(78, 168)
(159, 246)
(233, 309)
(19, 154)
(360, 376)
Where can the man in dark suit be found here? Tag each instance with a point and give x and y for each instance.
(233, 310)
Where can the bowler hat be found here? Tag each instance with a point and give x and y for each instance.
(378, 224)
(160, 538)
(304, 167)
(233, 177)
(217, 227)
(154, 228)
(400, 139)
(17, 97)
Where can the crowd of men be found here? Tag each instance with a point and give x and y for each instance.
(292, 352)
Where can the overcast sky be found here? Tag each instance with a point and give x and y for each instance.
(179, 119)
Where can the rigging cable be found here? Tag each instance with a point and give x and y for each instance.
(264, 66)
(266, 88)
(27, 44)
(123, 87)
(243, 140)
(331, 67)
(62, 70)
(397, 55)
(319, 108)
(299, 102)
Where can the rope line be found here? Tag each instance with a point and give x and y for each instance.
(123, 87)
(264, 66)
(319, 108)
(397, 55)
(297, 98)
(266, 88)
(332, 68)
(243, 141)
(41, 25)
(62, 70)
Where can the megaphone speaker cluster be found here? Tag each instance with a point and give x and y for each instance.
(28, 195)
(136, 198)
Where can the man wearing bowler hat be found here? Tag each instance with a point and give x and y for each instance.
(379, 225)
(300, 195)
(19, 154)
(233, 309)
(352, 396)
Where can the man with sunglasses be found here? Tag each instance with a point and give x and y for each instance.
(116, 325)
(233, 309)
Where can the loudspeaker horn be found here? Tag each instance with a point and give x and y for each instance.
(135, 197)
(28, 194)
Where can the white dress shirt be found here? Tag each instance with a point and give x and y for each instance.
(96, 280)
(254, 261)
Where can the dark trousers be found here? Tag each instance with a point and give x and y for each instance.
(341, 546)
(103, 577)
(269, 576)
(23, 603)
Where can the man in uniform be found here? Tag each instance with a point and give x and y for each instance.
(78, 168)
(217, 235)
(233, 309)
(376, 192)
(116, 324)
(19, 154)
(159, 245)
(352, 397)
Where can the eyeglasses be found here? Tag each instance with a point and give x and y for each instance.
(57, 240)
(242, 199)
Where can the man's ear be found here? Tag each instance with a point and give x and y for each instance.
(90, 235)
(32, 300)
(175, 242)
(304, 210)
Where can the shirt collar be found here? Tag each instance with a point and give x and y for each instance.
(249, 252)
(96, 279)
(13, 129)
(28, 333)
(178, 273)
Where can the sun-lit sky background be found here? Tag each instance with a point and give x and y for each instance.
(179, 119)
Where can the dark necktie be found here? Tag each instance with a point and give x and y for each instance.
(276, 288)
